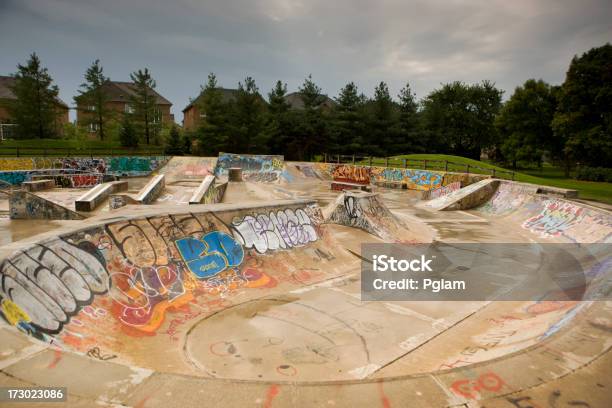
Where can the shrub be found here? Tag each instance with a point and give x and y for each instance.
(594, 174)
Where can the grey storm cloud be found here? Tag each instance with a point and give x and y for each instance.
(426, 42)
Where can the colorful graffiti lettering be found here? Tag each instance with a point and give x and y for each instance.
(414, 179)
(555, 218)
(442, 191)
(254, 167)
(275, 230)
(52, 282)
(351, 174)
(211, 254)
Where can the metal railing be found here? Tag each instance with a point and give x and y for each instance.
(12, 151)
(424, 164)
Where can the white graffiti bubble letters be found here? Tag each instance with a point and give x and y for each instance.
(276, 230)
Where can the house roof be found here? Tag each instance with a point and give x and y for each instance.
(295, 101)
(7, 82)
(118, 91)
(227, 95)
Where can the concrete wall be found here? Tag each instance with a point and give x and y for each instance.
(101, 258)
(24, 205)
(413, 179)
(262, 168)
(16, 170)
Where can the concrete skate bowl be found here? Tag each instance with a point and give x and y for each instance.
(260, 305)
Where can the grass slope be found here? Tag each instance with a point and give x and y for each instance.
(548, 176)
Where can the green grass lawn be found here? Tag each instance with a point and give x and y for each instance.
(548, 176)
(60, 147)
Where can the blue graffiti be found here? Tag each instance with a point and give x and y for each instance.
(15, 177)
(211, 254)
(249, 164)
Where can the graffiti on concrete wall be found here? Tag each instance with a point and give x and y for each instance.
(442, 191)
(211, 254)
(351, 174)
(144, 267)
(508, 197)
(24, 205)
(364, 211)
(15, 177)
(558, 218)
(50, 283)
(281, 229)
(18, 170)
(214, 194)
(77, 180)
(254, 167)
(414, 179)
(133, 165)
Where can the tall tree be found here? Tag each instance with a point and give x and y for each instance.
(309, 137)
(174, 144)
(411, 140)
(279, 125)
(458, 118)
(213, 134)
(524, 121)
(93, 98)
(383, 129)
(36, 109)
(248, 120)
(127, 132)
(348, 122)
(144, 101)
(583, 120)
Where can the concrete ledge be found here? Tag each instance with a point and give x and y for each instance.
(152, 189)
(208, 192)
(467, 197)
(198, 194)
(563, 192)
(341, 186)
(38, 185)
(94, 197)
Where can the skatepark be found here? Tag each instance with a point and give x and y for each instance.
(236, 281)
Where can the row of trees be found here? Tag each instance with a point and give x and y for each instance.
(37, 106)
(457, 118)
(569, 124)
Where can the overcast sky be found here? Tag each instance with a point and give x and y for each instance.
(426, 42)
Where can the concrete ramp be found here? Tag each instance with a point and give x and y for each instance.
(358, 209)
(180, 168)
(24, 205)
(468, 197)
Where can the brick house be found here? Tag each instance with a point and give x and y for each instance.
(7, 97)
(192, 114)
(119, 96)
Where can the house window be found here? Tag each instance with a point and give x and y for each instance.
(91, 108)
(202, 115)
(157, 116)
(93, 127)
(129, 108)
